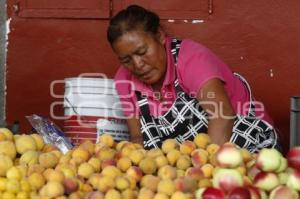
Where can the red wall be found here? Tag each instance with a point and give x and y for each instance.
(253, 37)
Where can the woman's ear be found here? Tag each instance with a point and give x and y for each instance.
(161, 35)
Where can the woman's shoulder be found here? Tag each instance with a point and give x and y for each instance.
(122, 74)
(192, 46)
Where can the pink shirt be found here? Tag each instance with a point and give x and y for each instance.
(196, 65)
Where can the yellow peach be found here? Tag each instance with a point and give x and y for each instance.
(107, 139)
(150, 182)
(183, 162)
(113, 194)
(85, 170)
(155, 152)
(187, 147)
(25, 143)
(7, 133)
(111, 171)
(39, 141)
(166, 186)
(212, 148)
(36, 181)
(29, 158)
(136, 156)
(8, 148)
(161, 196)
(167, 172)
(199, 157)
(13, 186)
(35, 168)
(168, 145)
(124, 163)
(14, 173)
(172, 156)
(53, 189)
(161, 161)
(105, 183)
(80, 153)
(148, 165)
(202, 140)
(145, 193)
(204, 183)
(122, 183)
(25, 186)
(6, 163)
(48, 160)
(207, 170)
(88, 146)
(96, 163)
(129, 194)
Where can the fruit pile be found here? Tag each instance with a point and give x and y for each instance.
(197, 169)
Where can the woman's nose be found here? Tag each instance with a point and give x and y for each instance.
(138, 62)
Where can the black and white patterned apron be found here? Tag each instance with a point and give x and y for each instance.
(186, 118)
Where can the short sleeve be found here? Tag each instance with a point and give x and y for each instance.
(126, 93)
(196, 65)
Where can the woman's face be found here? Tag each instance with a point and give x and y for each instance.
(143, 54)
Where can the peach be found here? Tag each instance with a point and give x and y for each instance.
(293, 180)
(48, 148)
(172, 156)
(136, 156)
(202, 140)
(39, 141)
(185, 184)
(155, 152)
(8, 195)
(124, 163)
(85, 170)
(150, 182)
(213, 160)
(53, 189)
(167, 172)
(48, 160)
(108, 162)
(120, 144)
(180, 173)
(7, 133)
(35, 168)
(6, 164)
(107, 139)
(54, 175)
(227, 179)
(94, 180)
(76, 195)
(70, 185)
(168, 145)
(25, 186)
(105, 183)
(212, 148)
(22, 195)
(14, 173)
(161, 161)
(122, 183)
(207, 170)
(283, 192)
(2, 137)
(204, 183)
(36, 180)
(184, 162)
(178, 195)
(135, 172)
(81, 153)
(111, 171)
(129, 194)
(195, 173)
(13, 186)
(94, 195)
(95, 163)
(266, 181)
(148, 165)
(229, 156)
(8, 148)
(113, 194)
(268, 160)
(199, 157)
(88, 146)
(166, 186)
(133, 182)
(161, 196)
(293, 157)
(85, 187)
(106, 153)
(25, 143)
(187, 147)
(145, 193)
(127, 149)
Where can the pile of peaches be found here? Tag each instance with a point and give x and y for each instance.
(196, 169)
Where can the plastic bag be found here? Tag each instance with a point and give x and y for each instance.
(50, 132)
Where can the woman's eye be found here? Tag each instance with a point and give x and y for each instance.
(141, 52)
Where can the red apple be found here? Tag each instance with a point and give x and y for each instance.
(239, 193)
(228, 156)
(293, 180)
(293, 158)
(227, 179)
(283, 192)
(254, 192)
(268, 160)
(212, 193)
(266, 181)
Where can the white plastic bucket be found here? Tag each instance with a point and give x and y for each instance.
(93, 108)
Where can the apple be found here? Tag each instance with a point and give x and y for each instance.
(227, 179)
(211, 192)
(293, 158)
(239, 193)
(266, 181)
(293, 180)
(283, 192)
(268, 160)
(228, 156)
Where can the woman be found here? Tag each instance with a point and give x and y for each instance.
(177, 89)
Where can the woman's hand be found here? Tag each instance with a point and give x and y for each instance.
(135, 130)
(214, 100)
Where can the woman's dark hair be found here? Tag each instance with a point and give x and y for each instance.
(134, 17)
